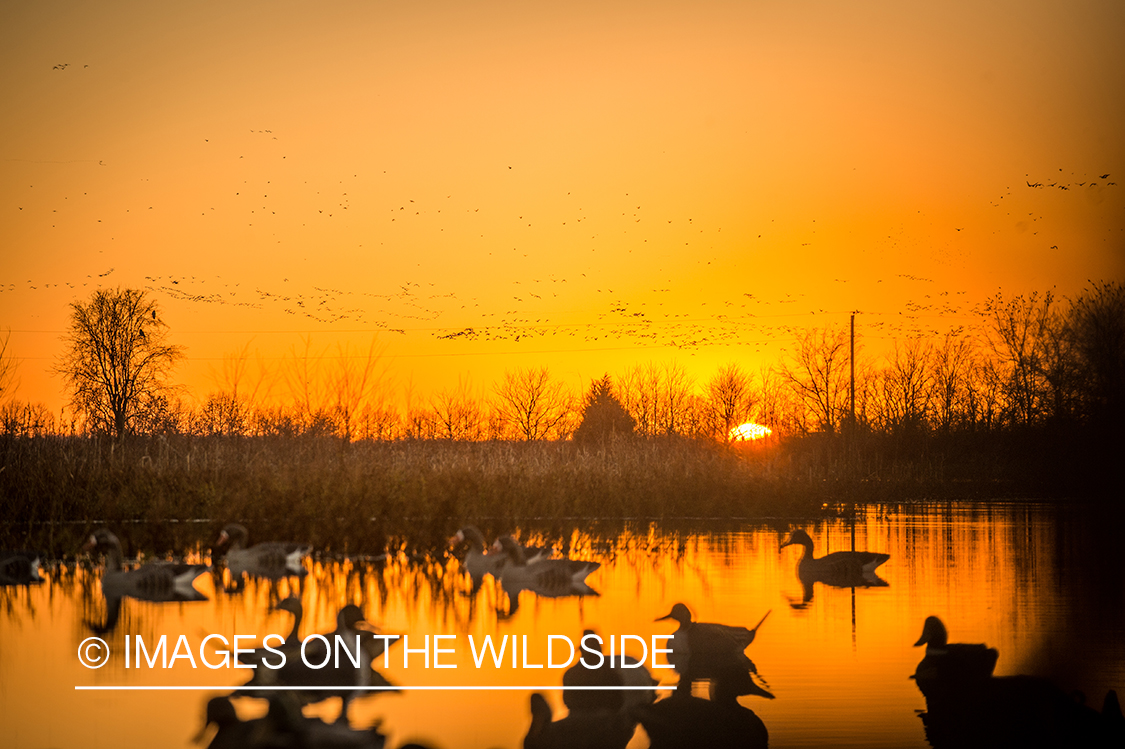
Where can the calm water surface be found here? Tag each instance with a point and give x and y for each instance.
(1041, 584)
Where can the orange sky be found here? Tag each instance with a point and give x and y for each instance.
(586, 185)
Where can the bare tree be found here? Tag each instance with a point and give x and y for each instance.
(117, 360)
(906, 384)
(730, 398)
(8, 367)
(1097, 329)
(952, 366)
(354, 381)
(1020, 334)
(532, 403)
(458, 413)
(817, 373)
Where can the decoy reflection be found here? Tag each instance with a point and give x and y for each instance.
(283, 726)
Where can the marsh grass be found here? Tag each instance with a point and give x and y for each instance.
(363, 497)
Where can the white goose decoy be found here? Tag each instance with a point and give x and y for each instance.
(546, 577)
(155, 581)
(841, 569)
(478, 562)
(20, 567)
(272, 560)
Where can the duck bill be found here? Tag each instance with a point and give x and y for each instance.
(90, 544)
(921, 640)
(664, 618)
(787, 543)
(456, 538)
(223, 538)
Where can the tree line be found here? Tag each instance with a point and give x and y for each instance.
(1034, 361)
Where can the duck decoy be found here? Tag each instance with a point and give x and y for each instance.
(292, 644)
(587, 729)
(351, 628)
(683, 721)
(840, 569)
(702, 650)
(20, 567)
(951, 662)
(612, 671)
(549, 578)
(282, 726)
(271, 560)
(157, 581)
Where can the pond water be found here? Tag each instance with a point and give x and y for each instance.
(1042, 584)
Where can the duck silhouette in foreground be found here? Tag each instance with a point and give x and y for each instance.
(347, 654)
(283, 726)
(272, 560)
(840, 569)
(946, 662)
(702, 650)
(606, 671)
(549, 578)
(292, 644)
(582, 729)
(966, 706)
(20, 567)
(683, 721)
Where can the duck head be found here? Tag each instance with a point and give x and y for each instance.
(799, 538)
(470, 534)
(234, 534)
(100, 540)
(350, 616)
(680, 613)
(933, 633)
(292, 604)
(512, 550)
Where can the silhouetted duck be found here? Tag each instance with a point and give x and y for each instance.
(271, 560)
(296, 674)
(20, 567)
(610, 671)
(842, 569)
(945, 661)
(292, 643)
(683, 721)
(155, 581)
(587, 729)
(283, 726)
(702, 650)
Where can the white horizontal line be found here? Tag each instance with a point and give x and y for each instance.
(451, 687)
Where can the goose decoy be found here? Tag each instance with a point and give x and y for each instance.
(951, 662)
(154, 581)
(20, 567)
(841, 569)
(478, 562)
(549, 578)
(346, 674)
(589, 729)
(702, 650)
(272, 560)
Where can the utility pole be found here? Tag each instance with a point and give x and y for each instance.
(852, 362)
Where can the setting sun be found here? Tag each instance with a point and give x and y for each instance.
(750, 431)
